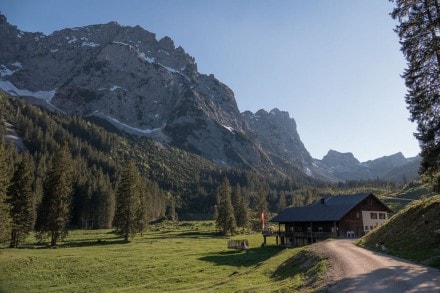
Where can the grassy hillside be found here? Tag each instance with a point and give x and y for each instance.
(400, 199)
(411, 233)
(185, 256)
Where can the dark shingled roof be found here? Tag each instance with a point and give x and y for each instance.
(332, 209)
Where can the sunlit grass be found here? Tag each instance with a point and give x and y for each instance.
(184, 257)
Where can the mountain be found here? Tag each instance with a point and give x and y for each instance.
(146, 87)
(345, 167)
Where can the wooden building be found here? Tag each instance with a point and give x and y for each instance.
(344, 216)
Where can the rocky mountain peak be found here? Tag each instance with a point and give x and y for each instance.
(336, 158)
(146, 87)
(277, 133)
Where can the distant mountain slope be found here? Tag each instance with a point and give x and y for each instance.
(147, 87)
(345, 167)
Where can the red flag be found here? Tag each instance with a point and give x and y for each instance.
(262, 219)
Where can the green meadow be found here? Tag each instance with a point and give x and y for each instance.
(170, 257)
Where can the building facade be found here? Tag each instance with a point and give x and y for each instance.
(344, 216)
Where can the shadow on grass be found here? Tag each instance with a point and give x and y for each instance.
(94, 242)
(198, 234)
(238, 258)
(73, 243)
(302, 262)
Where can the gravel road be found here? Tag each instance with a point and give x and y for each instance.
(354, 269)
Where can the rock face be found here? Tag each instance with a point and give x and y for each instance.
(344, 166)
(147, 87)
(276, 132)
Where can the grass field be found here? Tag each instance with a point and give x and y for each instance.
(184, 257)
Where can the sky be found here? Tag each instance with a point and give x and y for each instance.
(335, 66)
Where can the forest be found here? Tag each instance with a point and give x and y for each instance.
(88, 158)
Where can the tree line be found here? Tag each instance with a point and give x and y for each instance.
(73, 170)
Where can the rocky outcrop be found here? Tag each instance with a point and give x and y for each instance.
(146, 87)
(277, 134)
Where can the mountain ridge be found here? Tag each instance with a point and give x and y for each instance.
(345, 167)
(142, 85)
(152, 88)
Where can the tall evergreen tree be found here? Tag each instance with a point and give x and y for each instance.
(21, 199)
(105, 197)
(261, 207)
(225, 220)
(54, 213)
(145, 200)
(5, 223)
(419, 32)
(128, 202)
(281, 201)
(240, 208)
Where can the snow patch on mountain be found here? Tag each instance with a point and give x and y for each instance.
(8, 87)
(124, 126)
(146, 58)
(90, 44)
(4, 71)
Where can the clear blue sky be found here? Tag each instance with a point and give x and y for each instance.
(335, 66)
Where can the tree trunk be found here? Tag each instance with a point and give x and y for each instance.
(53, 240)
(13, 241)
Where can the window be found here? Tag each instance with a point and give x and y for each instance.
(371, 227)
(382, 216)
(357, 215)
(373, 215)
(366, 227)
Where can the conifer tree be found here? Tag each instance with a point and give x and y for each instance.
(54, 213)
(261, 205)
(281, 201)
(240, 208)
(105, 197)
(145, 200)
(419, 33)
(4, 184)
(225, 220)
(128, 202)
(21, 199)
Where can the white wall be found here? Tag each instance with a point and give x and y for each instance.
(371, 223)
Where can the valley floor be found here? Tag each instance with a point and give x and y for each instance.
(177, 257)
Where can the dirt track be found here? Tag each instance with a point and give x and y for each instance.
(354, 269)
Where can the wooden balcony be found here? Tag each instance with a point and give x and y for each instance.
(315, 235)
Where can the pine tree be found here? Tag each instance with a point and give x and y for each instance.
(419, 33)
(281, 201)
(21, 199)
(128, 202)
(240, 208)
(261, 205)
(54, 213)
(105, 197)
(145, 200)
(226, 219)
(5, 223)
